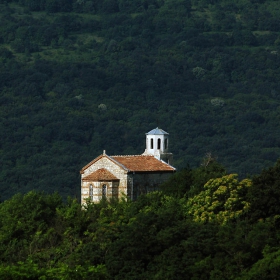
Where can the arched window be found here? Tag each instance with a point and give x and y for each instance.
(104, 191)
(91, 192)
(158, 143)
(152, 143)
(165, 143)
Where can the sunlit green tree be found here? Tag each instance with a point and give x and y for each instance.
(223, 199)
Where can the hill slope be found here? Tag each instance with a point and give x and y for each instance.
(78, 77)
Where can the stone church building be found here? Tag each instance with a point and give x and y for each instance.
(129, 175)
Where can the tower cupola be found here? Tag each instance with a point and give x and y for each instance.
(157, 141)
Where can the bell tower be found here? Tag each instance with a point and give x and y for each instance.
(157, 141)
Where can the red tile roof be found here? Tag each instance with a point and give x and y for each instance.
(143, 163)
(101, 174)
(135, 163)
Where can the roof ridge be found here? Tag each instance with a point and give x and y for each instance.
(132, 155)
(120, 164)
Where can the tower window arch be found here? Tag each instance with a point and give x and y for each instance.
(158, 143)
(152, 143)
(91, 193)
(165, 143)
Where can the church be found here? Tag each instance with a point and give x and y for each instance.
(128, 175)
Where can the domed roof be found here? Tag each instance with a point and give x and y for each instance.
(157, 131)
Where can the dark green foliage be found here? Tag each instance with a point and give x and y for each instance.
(179, 184)
(22, 219)
(209, 169)
(205, 71)
(5, 53)
(30, 270)
(265, 194)
(189, 182)
(153, 237)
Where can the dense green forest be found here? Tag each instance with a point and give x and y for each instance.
(203, 224)
(81, 76)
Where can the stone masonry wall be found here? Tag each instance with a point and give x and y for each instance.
(144, 183)
(115, 188)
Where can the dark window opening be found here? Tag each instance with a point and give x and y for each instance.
(165, 144)
(91, 193)
(152, 143)
(104, 190)
(158, 144)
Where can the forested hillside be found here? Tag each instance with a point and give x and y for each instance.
(81, 76)
(214, 226)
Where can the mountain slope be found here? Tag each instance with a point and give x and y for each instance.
(77, 79)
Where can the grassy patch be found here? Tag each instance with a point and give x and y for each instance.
(134, 15)
(260, 32)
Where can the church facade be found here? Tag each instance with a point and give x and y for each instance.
(130, 175)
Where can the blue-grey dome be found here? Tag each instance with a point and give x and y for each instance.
(157, 131)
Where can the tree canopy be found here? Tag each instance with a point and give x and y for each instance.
(159, 236)
(78, 77)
